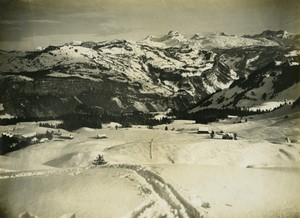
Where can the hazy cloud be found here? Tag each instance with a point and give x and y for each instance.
(43, 21)
(9, 22)
(136, 19)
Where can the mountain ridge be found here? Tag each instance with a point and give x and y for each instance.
(121, 75)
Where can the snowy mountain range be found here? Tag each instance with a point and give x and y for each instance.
(151, 75)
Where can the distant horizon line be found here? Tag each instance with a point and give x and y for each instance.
(160, 35)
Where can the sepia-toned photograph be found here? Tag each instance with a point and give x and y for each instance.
(149, 108)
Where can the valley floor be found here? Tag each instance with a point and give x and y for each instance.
(158, 173)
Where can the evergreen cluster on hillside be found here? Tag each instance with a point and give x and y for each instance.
(208, 115)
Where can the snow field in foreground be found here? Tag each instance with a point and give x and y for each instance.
(188, 175)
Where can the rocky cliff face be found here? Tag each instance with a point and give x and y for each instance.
(264, 89)
(121, 75)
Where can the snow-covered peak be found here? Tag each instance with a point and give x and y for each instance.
(223, 41)
(175, 35)
(149, 38)
(217, 34)
(197, 36)
(74, 42)
(39, 48)
(274, 35)
(279, 33)
(286, 34)
(172, 38)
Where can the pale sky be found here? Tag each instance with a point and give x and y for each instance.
(27, 24)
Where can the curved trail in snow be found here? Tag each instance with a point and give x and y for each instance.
(163, 193)
(163, 199)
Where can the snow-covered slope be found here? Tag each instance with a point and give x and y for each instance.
(221, 40)
(173, 38)
(265, 89)
(282, 37)
(121, 75)
(185, 175)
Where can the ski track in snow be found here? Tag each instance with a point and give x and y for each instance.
(164, 199)
(163, 196)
